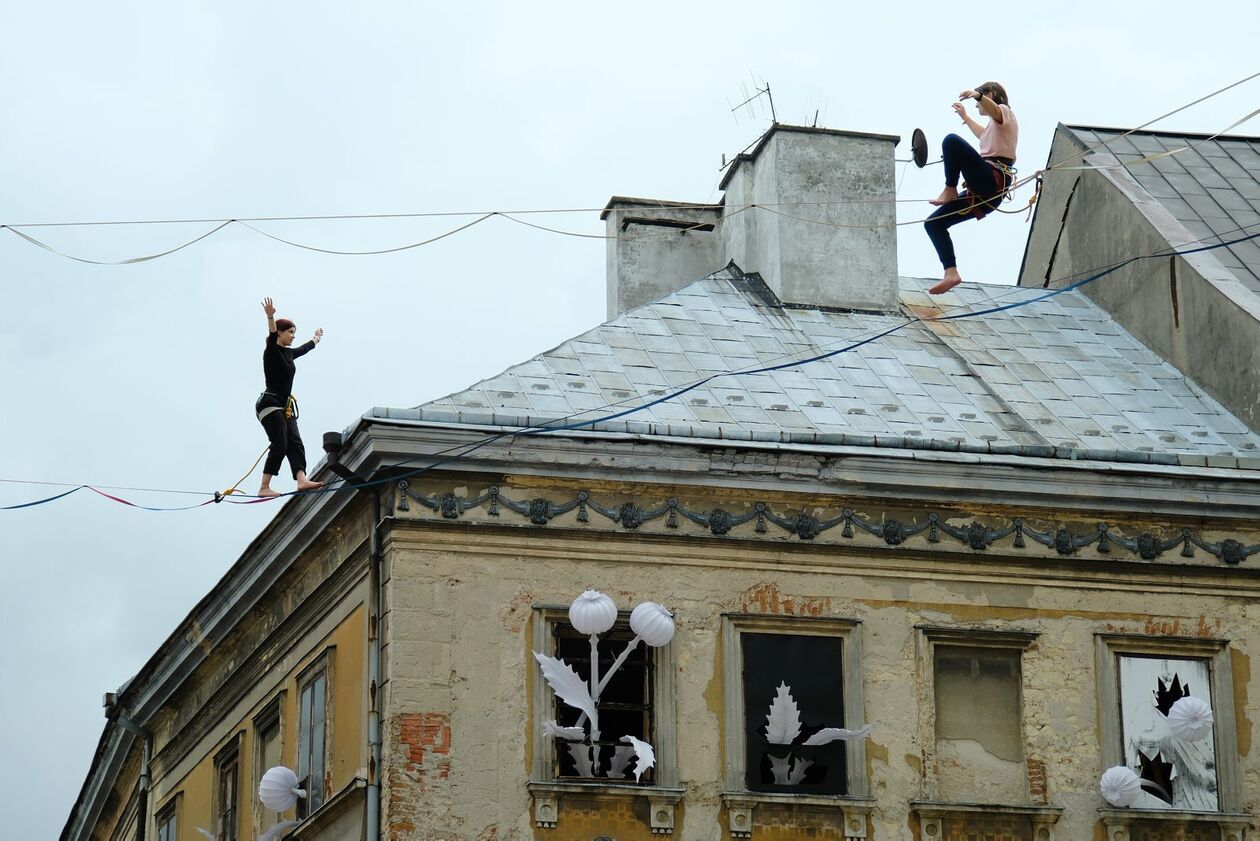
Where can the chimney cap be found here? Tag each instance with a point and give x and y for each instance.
(752, 154)
(631, 201)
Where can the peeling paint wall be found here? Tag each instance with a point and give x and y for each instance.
(459, 596)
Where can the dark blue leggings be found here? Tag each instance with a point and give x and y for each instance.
(959, 158)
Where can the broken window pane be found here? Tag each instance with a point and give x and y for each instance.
(979, 741)
(793, 688)
(1181, 774)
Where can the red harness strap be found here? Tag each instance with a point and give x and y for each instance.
(980, 206)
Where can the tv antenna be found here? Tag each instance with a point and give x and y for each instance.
(751, 99)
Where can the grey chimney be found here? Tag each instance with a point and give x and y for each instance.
(811, 210)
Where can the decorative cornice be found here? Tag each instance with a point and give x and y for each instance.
(978, 536)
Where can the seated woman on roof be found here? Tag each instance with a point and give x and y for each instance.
(276, 408)
(988, 173)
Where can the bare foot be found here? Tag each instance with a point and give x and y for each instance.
(948, 282)
(947, 195)
(308, 485)
(267, 492)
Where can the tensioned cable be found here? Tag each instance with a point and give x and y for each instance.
(1081, 154)
(451, 232)
(484, 215)
(551, 426)
(126, 262)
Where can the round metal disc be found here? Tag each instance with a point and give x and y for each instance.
(918, 148)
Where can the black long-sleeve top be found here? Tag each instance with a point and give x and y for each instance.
(278, 367)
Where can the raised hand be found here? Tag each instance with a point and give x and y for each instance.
(968, 94)
(319, 334)
(960, 110)
(268, 307)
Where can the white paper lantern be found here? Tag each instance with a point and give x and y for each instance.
(278, 789)
(1120, 786)
(592, 613)
(652, 623)
(1190, 718)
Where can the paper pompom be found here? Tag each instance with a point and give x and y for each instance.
(1190, 718)
(592, 613)
(652, 623)
(278, 789)
(1120, 786)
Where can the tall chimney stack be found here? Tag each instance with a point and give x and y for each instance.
(823, 232)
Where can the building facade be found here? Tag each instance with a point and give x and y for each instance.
(1009, 542)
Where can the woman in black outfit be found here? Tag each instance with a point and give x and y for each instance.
(272, 407)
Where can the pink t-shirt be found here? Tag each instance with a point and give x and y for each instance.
(998, 140)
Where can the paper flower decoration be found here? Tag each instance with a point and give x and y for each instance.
(592, 613)
(652, 623)
(278, 789)
(1120, 786)
(1190, 718)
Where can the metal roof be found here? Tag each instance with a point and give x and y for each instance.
(1211, 188)
(1054, 378)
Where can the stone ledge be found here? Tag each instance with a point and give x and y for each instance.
(546, 797)
(1119, 823)
(936, 819)
(853, 811)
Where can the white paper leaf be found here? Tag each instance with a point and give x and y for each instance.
(827, 735)
(278, 831)
(207, 833)
(620, 761)
(783, 724)
(779, 767)
(582, 759)
(644, 756)
(567, 685)
(799, 767)
(568, 734)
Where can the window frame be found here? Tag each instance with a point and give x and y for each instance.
(321, 666)
(847, 631)
(229, 756)
(1109, 648)
(169, 812)
(271, 715)
(663, 737)
(927, 638)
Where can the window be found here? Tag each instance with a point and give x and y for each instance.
(267, 751)
(786, 680)
(625, 706)
(637, 701)
(312, 736)
(227, 773)
(976, 758)
(978, 780)
(1140, 678)
(167, 829)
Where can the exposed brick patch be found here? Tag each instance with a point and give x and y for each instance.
(420, 757)
(766, 598)
(1038, 791)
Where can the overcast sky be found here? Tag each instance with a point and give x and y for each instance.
(145, 375)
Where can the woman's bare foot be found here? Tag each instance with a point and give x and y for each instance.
(947, 195)
(267, 492)
(308, 485)
(948, 282)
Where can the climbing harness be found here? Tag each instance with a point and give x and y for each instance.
(290, 407)
(980, 206)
